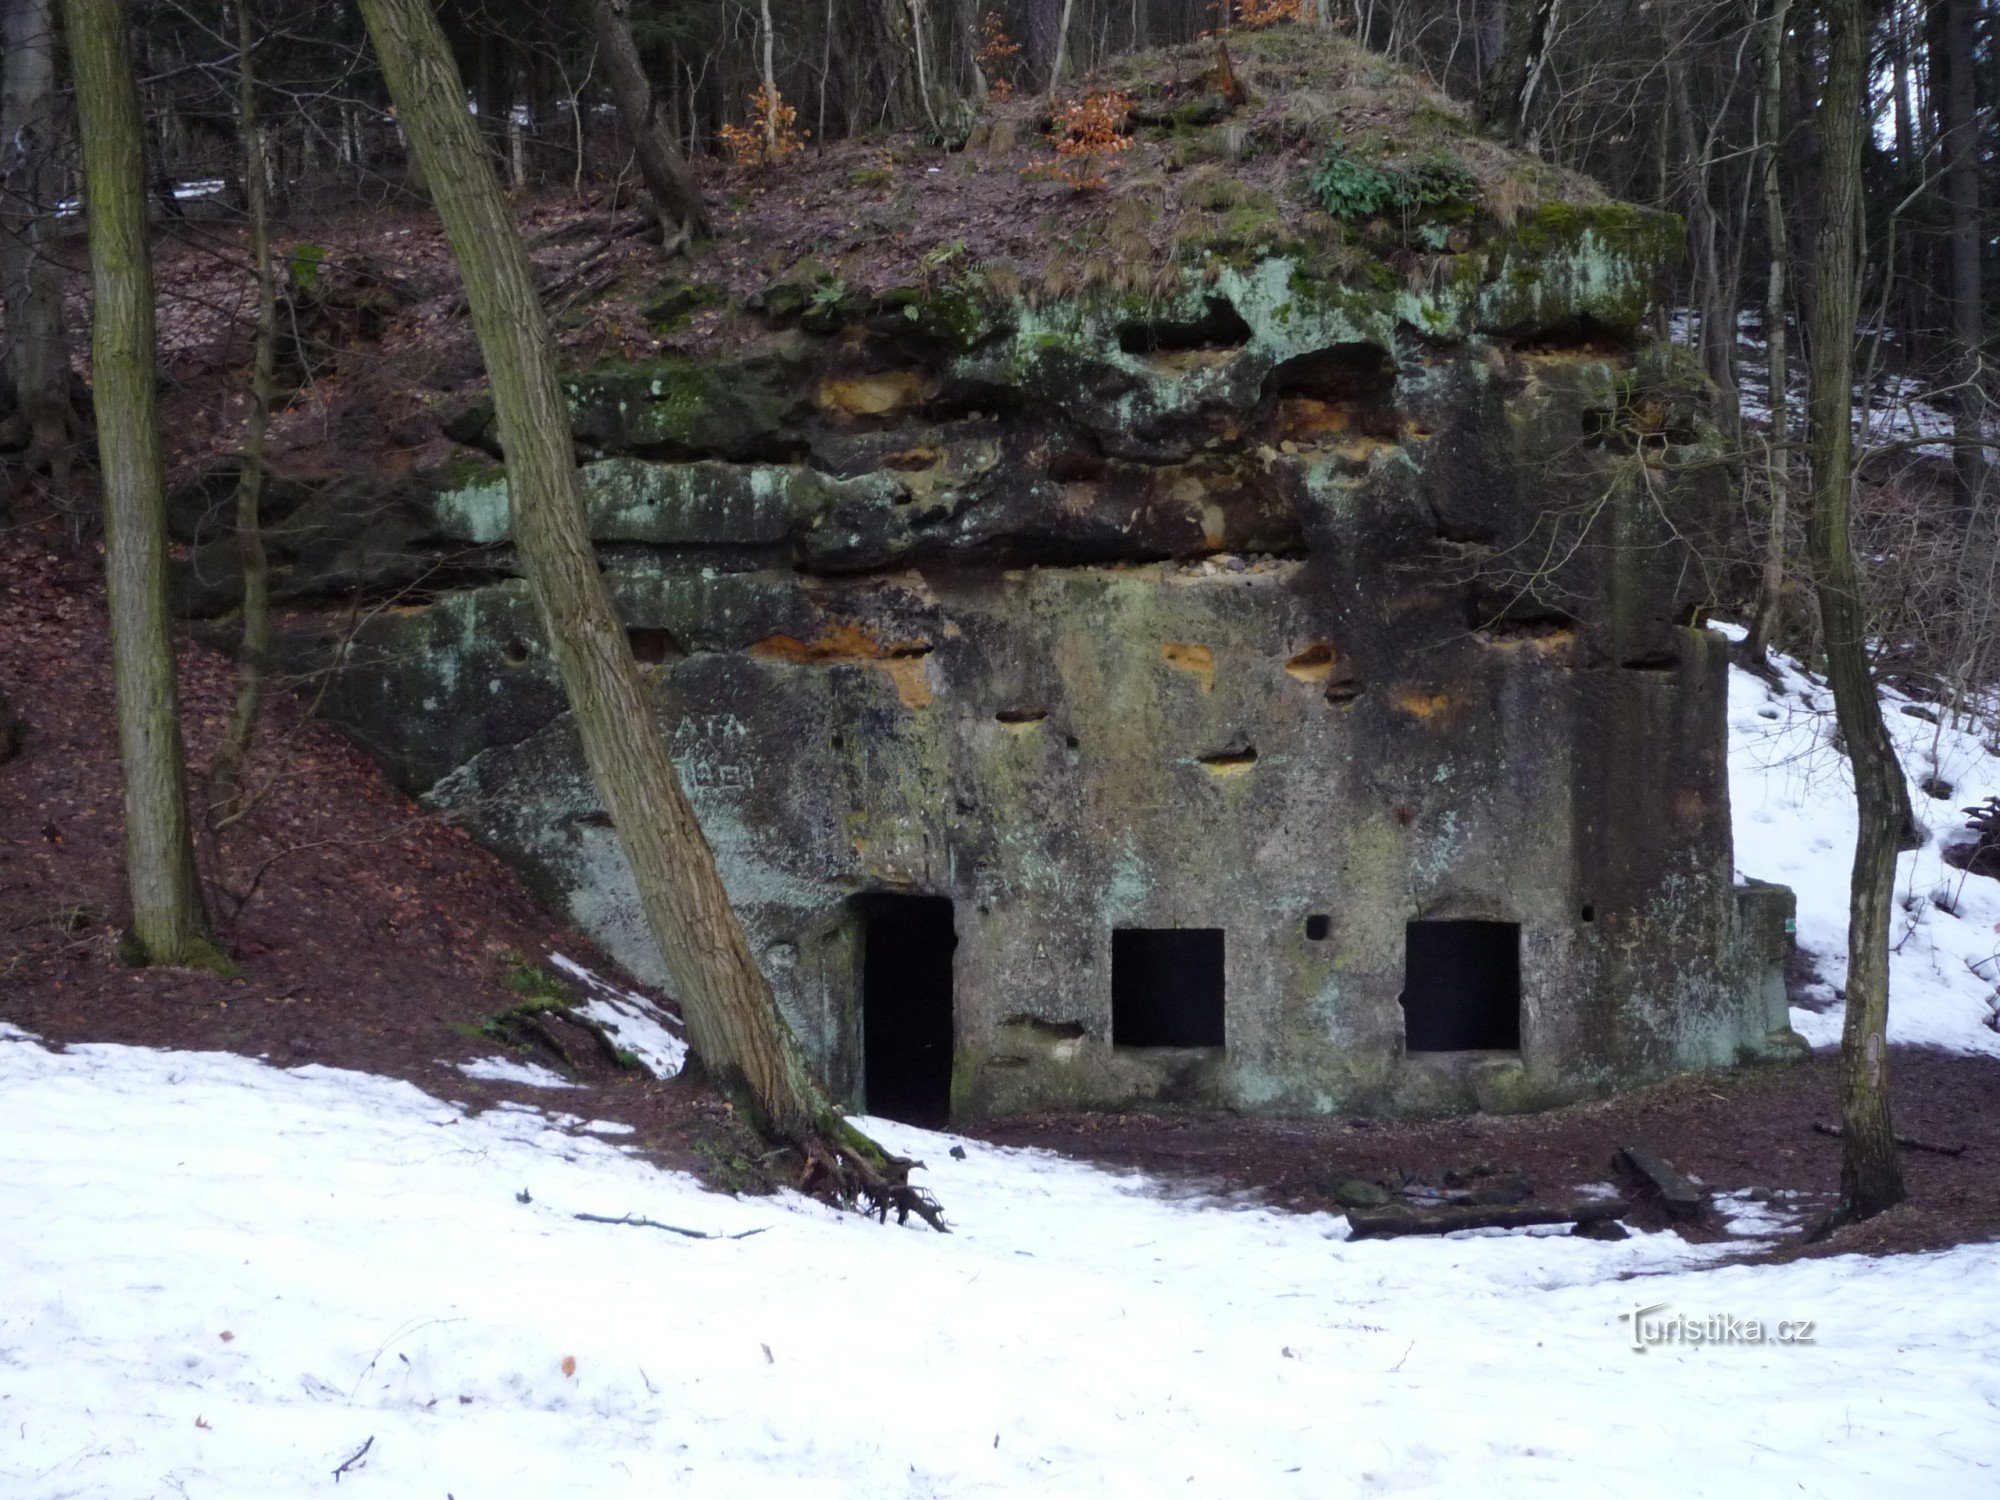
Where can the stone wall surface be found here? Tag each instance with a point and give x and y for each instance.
(1275, 600)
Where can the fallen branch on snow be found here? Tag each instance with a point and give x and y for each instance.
(354, 1458)
(693, 1234)
(1383, 1223)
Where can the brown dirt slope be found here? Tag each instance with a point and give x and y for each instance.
(367, 932)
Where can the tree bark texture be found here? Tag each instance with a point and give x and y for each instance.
(1778, 467)
(36, 367)
(676, 199)
(1871, 1176)
(732, 1017)
(169, 924)
(1506, 94)
(1955, 24)
(226, 773)
(1060, 65)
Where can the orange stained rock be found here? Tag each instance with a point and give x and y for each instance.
(850, 643)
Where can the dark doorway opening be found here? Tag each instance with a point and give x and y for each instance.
(1462, 986)
(906, 1005)
(1166, 987)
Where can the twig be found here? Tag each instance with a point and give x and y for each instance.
(354, 1458)
(693, 1234)
(1907, 1142)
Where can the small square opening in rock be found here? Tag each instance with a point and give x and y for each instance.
(1462, 987)
(1166, 987)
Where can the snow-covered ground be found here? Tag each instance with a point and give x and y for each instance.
(1888, 408)
(224, 1279)
(1792, 803)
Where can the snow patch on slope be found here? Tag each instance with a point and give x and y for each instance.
(508, 1070)
(1792, 800)
(635, 1022)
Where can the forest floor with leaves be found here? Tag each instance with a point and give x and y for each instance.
(366, 931)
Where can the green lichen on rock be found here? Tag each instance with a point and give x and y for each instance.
(1569, 265)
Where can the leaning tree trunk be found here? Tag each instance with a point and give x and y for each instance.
(732, 1018)
(1778, 466)
(671, 185)
(1871, 1176)
(36, 360)
(225, 775)
(169, 925)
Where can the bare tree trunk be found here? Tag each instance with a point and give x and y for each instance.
(676, 199)
(767, 34)
(1777, 467)
(36, 367)
(732, 1017)
(1715, 303)
(169, 925)
(226, 772)
(1060, 65)
(1507, 93)
(1871, 1176)
(906, 66)
(1959, 115)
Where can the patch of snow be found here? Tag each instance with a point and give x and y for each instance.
(1792, 802)
(1888, 408)
(1749, 1218)
(635, 1022)
(508, 1070)
(225, 1277)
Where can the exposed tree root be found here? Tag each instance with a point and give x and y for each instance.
(843, 1166)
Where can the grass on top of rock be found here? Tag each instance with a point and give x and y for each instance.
(1317, 148)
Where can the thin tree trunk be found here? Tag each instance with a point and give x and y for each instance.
(1714, 303)
(676, 199)
(767, 36)
(732, 1016)
(226, 773)
(169, 925)
(1060, 65)
(1871, 1177)
(36, 366)
(1777, 467)
(1959, 116)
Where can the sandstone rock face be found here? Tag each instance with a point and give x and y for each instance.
(1283, 610)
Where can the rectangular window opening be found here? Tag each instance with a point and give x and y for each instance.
(1166, 987)
(1462, 987)
(907, 1031)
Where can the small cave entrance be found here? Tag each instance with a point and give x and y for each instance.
(907, 1033)
(1218, 326)
(1340, 392)
(1166, 987)
(1462, 986)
